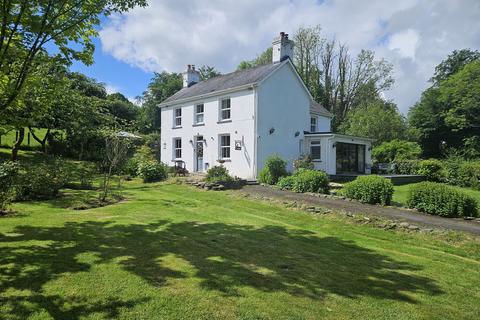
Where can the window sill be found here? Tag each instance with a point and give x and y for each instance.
(198, 125)
(316, 160)
(180, 127)
(224, 121)
(224, 160)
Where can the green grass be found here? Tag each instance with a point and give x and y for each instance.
(173, 252)
(401, 193)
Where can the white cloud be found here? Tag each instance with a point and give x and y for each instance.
(111, 89)
(415, 35)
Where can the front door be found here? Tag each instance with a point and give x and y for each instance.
(199, 154)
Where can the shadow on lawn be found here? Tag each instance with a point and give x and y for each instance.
(225, 258)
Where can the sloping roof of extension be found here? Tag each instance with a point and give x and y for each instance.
(317, 108)
(224, 82)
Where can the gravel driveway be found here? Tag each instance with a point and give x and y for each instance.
(419, 219)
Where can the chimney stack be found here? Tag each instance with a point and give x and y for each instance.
(282, 48)
(191, 76)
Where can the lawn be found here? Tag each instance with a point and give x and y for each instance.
(9, 138)
(173, 252)
(401, 193)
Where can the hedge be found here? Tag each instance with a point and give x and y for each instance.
(442, 200)
(304, 180)
(370, 189)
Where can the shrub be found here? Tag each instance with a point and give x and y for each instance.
(304, 162)
(370, 189)
(310, 181)
(274, 169)
(305, 181)
(442, 200)
(152, 171)
(469, 174)
(43, 180)
(143, 154)
(407, 166)
(396, 150)
(8, 176)
(218, 174)
(432, 169)
(286, 183)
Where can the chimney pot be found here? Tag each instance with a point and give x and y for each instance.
(282, 48)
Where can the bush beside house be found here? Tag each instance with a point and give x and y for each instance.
(442, 200)
(370, 189)
(304, 180)
(274, 169)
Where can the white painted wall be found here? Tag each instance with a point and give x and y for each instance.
(240, 128)
(283, 104)
(323, 123)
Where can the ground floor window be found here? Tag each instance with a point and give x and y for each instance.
(225, 146)
(177, 148)
(350, 158)
(315, 150)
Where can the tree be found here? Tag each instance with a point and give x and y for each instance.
(396, 150)
(448, 114)
(308, 45)
(454, 63)
(27, 26)
(114, 155)
(162, 86)
(207, 72)
(122, 109)
(378, 120)
(264, 58)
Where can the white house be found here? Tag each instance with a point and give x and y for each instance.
(241, 118)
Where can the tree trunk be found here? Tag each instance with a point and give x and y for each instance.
(18, 143)
(43, 142)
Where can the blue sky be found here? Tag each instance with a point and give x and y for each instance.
(117, 75)
(414, 35)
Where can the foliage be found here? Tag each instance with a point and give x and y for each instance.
(264, 58)
(67, 27)
(273, 170)
(303, 162)
(376, 120)
(8, 177)
(43, 180)
(442, 200)
(207, 72)
(114, 156)
(370, 189)
(432, 169)
(454, 63)
(447, 114)
(462, 173)
(304, 180)
(396, 150)
(218, 174)
(152, 171)
(407, 166)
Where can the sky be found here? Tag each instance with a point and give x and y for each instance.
(413, 35)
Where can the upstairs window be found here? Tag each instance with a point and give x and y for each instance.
(177, 122)
(225, 109)
(315, 150)
(313, 124)
(199, 111)
(177, 148)
(225, 146)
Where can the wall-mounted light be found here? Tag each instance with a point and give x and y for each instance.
(334, 145)
(297, 134)
(370, 148)
(271, 131)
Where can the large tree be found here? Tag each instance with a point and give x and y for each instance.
(207, 72)
(378, 120)
(454, 63)
(448, 114)
(264, 58)
(27, 26)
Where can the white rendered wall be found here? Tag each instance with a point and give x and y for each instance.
(241, 127)
(283, 105)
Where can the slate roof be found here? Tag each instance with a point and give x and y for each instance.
(316, 107)
(224, 82)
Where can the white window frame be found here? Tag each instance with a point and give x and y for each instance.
(313, 124)
(177, 124)
(197, 114)
(222, 109)
(316, 144)
(222, 147)
(176, 148)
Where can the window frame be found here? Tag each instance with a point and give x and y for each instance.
(196, 114)
(221, 110)
(177, 117)
(313, 124)
(177, 149)
(316, 144)
(222, 147)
